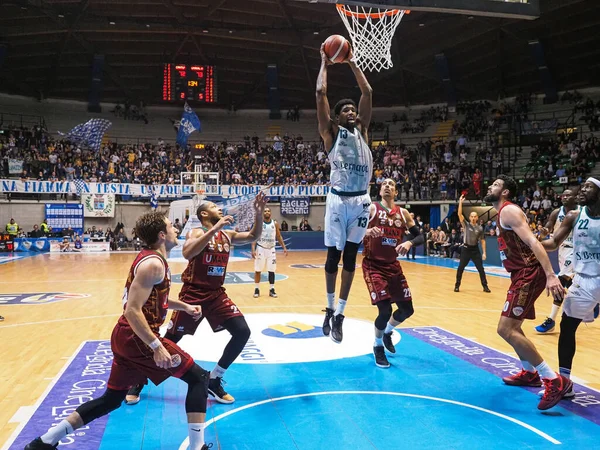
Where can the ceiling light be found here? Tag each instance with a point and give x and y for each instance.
(421, 24)
(263, 33)
(205, 31)
(147, 25)
(316, 32)
(61, 16)
(470, 17)
(111, 23)
(230, 31)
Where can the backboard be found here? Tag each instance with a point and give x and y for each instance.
(514, 9)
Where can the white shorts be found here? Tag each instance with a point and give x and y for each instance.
(565, 261)
(265, 256)
(582, 298)
(346, 219)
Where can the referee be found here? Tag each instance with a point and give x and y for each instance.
(470, 250)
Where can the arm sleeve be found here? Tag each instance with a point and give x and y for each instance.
(417, 237)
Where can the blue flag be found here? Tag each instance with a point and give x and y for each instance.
(89, 133)
(153, 198)
(189, 123)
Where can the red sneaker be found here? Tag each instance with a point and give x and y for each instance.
(555, 391)
(524, 378)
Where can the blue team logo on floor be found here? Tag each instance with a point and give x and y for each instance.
(239, 278)
(293, 330)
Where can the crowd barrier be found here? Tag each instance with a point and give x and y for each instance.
(52, 244)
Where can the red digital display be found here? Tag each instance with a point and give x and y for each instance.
(190, 83)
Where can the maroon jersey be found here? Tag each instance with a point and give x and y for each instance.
(514, 253)
(392, 224)
(155, 308)
(206, 271)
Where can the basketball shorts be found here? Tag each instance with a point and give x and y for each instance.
(265, 257)
(582, 298)
(565, 261)
(133, 361)
(217, 308)
(385, 282)
(346, 219)
(526, 286)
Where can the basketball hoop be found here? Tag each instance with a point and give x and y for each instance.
(200, 195)
(371, 31)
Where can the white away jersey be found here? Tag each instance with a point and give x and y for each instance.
(351, 162)
(267, 238)
(586, 245)
(568, 242)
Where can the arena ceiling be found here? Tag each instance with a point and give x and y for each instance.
(50, 44)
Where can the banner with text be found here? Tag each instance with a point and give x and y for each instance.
(295, 206)
(162, 190)
(15, 166)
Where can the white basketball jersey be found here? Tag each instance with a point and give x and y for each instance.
(568, 242)
(267, 238)
(351, 162)
(586, 245)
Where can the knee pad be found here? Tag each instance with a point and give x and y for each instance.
(197, 381)
(333, 259)
(385, 312)
(349, 258)
(404, 311)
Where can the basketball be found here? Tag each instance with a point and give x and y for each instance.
(337, 48)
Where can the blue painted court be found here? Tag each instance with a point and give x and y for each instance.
(295, 389)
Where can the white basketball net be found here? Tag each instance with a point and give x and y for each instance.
(200, 189)
(371, 31)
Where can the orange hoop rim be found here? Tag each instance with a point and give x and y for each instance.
(387, 12)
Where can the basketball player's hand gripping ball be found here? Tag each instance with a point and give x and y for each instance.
(336, 49)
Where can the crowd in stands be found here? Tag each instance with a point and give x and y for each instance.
(128, 111)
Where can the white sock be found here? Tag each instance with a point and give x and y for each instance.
(554, 313)
(565, 372)
(527, 366)
(340, 307)
(218, 371)
(389, 328)
(331, 300)
(378, 342)
(196, 434)
(256, 285)
(272, 286)
(545, 371)
(58, 432)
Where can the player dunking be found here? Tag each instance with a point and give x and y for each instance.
(530, 272)
(565, 252)
(381, 269)
(139, 352)
(348, 202)
(207, 250)
(583, 227)
(264, 252)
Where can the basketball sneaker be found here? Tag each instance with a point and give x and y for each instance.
(568, 394)
(206, 446)
(486, 290)
(380, 358)
(272, 293)
(456, 289)
(256, 293)
(216, 391)
(336, 328)
(1, 318)
(554, 392)
(523, 378)
(133, 395)
(546, 327)
(387, 341)
(38, 444)
(327, 322)
(596, 311)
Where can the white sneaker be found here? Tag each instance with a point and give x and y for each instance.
(569, 394)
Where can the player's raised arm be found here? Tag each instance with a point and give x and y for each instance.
(365, 105)
(198, 239)
(326, 125)
(565, 228)
(254, 234)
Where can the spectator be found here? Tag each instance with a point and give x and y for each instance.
(36, 232)
(304, 226)
(284, 225)
(12, 228)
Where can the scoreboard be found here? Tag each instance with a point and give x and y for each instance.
(6, 243)
(189, 83)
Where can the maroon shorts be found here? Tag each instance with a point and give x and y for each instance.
(133, 361)
(217, 308)
(526, 286)
(385, 282)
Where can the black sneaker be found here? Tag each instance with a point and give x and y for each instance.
(486, 289)
(456, 289)
(380, 358)
(387, 341)
(206, 446)
(216, 391)
(133, 395)
(256, 293)
(1, 318)
(38, 444)
(272, 293)
(326, 323)
(336, 328)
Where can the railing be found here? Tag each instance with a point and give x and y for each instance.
(20, 120)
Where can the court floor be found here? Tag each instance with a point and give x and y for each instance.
(294, 388)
